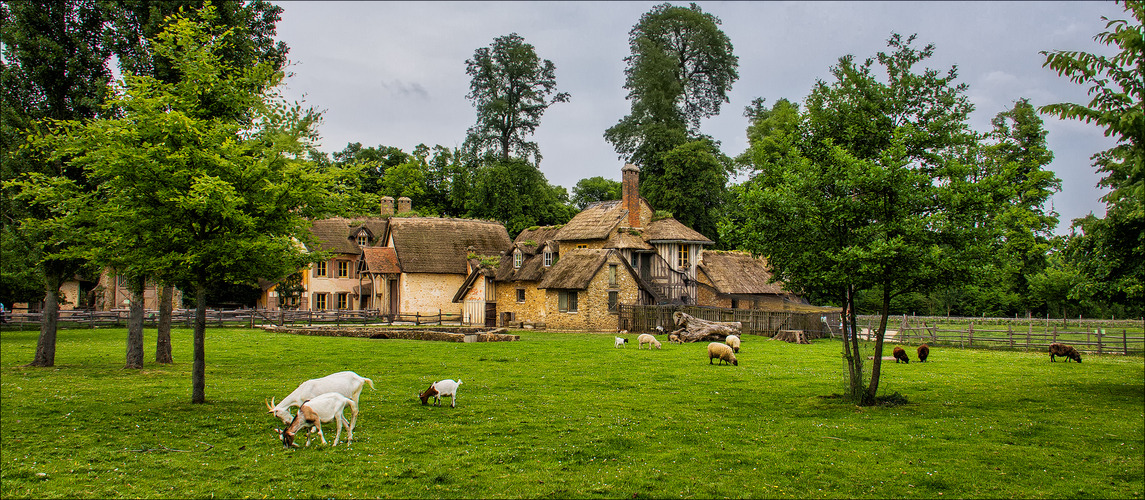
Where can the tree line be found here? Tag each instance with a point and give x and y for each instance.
(873, 193)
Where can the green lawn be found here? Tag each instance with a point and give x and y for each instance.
(567, 415)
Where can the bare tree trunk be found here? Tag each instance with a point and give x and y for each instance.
(135, 325)
(49, 322)
(851, 347)
(199, 361)
(163, 342)
(872, 390)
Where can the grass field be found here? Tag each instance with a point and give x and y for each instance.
(567, 415)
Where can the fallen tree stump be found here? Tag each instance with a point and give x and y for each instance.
(792, 336)
(693, 329)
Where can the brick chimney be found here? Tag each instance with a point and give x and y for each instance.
(387, 205)
(630, 193)
(404, 205)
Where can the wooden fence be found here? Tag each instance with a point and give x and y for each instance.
(645, 319)
(233, 317)
(1097, 336)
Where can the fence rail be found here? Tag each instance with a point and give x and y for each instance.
(233, 317)
(645, 319)
(1096, 337)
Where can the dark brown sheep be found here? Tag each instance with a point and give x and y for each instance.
(923, 352)
(1063, 350)
(900, 355)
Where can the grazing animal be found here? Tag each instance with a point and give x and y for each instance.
(675, 339)
(314, 412)
(923, 353)
(1066, 351)
(644, 338)
(620, 341)
(660, 329)
(733, 341)
(438, 389)
(900, 355)
(346, 383)
(723, 352)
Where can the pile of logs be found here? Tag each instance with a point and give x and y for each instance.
(693, 329)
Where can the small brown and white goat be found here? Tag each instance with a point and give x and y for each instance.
(346, 383)
(438, 389)
(313, 413)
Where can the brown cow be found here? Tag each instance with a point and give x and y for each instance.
(900, 355)
(1066, 351)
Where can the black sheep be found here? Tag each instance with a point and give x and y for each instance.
(1063, 350)
(923, 352)
(900, 355)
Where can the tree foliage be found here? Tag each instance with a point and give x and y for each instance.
(593, 189)
(1117, 84)
(680, 70)
(518, 195)
(865, 190)
(208, 174)
(510, 88)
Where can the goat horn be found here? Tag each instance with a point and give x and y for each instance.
(269, 407)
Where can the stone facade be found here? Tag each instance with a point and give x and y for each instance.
(592, 303)
(429, 293)
(532, 311)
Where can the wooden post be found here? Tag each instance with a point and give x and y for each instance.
(970, 340)
(1030, 330)
(1010, 333)
(1124, 342)
(1100, 333)
(417, 318)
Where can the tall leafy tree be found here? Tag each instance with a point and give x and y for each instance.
(1117, 85)
(52, 68)
(373, 160)
(593, 189)
(517, 194)
(696, 167)
(680, 70)
(862, 192)
(210, 172)
(510, 88)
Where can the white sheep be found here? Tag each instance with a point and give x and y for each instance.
(620, 341)
(644, 338)
(723, 352)
(733, 341)
(438, 389)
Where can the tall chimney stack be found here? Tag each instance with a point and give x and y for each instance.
(404, 205)
(630, 193)
(387, 205)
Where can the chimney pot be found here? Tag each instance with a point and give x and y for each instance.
(387, 205)
(630, 193)
(404, 205)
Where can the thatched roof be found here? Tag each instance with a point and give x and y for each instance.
(738, 273)
(667, 230)
(575, 269)
(538, 237)
(336, 234)
(624, 240)
(595, 222)
(381, 260)
(432, 245)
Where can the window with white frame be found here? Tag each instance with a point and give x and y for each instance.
(549, 258)
(517, 258)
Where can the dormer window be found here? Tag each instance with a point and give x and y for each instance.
(517, 258)
(363, 239)
(550, 257)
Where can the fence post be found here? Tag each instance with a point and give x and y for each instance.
(439, 317)
(1124, 342)
(417, 318)
(1100, 334)
(970, 340)
(1010, 333)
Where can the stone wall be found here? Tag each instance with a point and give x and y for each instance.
(439, 334)
(531, 312)
(593, 314)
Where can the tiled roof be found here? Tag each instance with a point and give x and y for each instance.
(381, 260)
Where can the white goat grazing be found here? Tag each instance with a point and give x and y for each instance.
(347, 383)
(620, 341)
(314, 412)
(644, 338)
(438, 389)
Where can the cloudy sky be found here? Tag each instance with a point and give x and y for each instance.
(393, 73)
